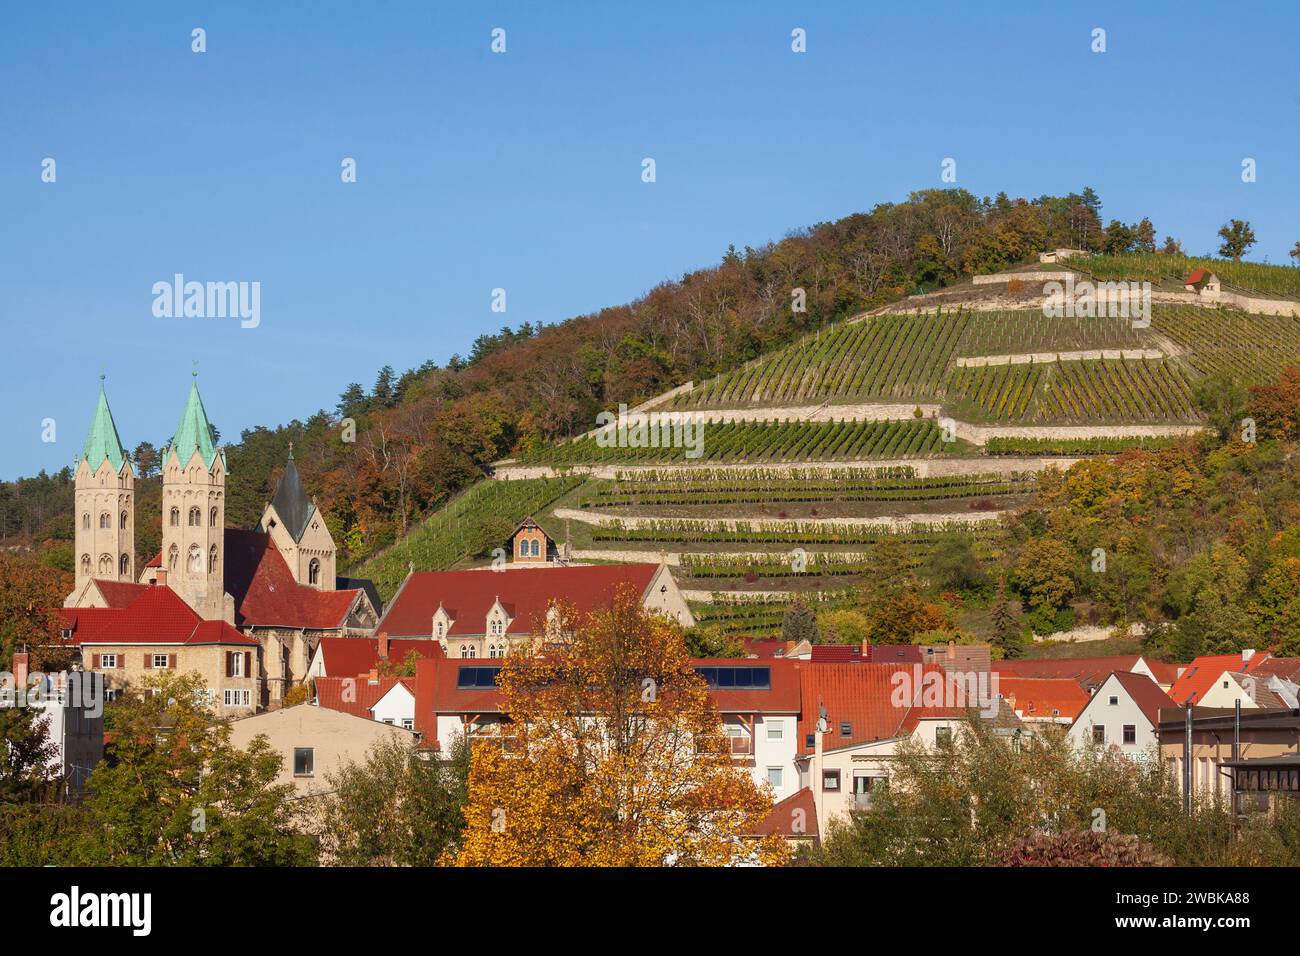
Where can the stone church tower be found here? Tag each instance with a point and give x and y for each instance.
(296, 527)
(104, 492)
(194, 514)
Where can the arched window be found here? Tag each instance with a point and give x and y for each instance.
(123, 519)
(124, 566)
(523, 548)
(496, 650)
(196, 517)
(467, 650)
(536, 547)
(85, 560)
(174, 519)
(195, 563)
(212, 518)
(105, 564)
(313, 572)
(105, 520)
(439, 628)
(212, 560)
(85, 521)
(173, 558)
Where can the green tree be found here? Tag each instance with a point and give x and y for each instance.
(173, 790)
(1237, 237)
(799, 622)
(1044, 574)
(399, 807)
(1222, 397)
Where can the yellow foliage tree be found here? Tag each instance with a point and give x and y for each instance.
(612, 755)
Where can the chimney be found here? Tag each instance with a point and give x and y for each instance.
(374, 677)
(383, 646)
(160, 578)
(20, 670)
(1246, 655)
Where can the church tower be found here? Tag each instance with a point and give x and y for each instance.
(104, 492)
(296, 527)
(194, 513)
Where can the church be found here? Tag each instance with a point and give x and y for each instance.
(273, 587)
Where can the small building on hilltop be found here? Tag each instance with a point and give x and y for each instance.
(1202, 282)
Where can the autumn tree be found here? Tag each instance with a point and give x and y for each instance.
(613, 755)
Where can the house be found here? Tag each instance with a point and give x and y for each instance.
(1124, 714)
(389, 700)
(1202, 282)
(72, 710)
(315, 742)
(759, 703)
(794, 818)
(1060, 255)
(1206, 672)
(854, 716)
(1054, 700)
(1224, 743)
(349, 656)
(529, 544)
(159, 632)
(482, 613)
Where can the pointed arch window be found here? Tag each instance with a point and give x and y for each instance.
(85, 521)
(173, 558)
(313, 572)
(212, 518)
(123, 519)
(196, 518)
(85, 561)
(174, 518)
(195, 563)
(124, 566)
(106, 564)
(212, 560)
(467, 650)
(105, 520)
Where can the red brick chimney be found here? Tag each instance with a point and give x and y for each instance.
(21, 665)
(383, 646)
(374, 676)
(160, 577)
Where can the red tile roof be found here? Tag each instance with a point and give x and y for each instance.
(894, 653)
(836, 652)
(119, 593)
(266, 593)
(766, 646)
(864, 696)
(1197, 276)
(527, 594)
(1287, 668)
(1040, 697)
(155, 561)
(436, 693)
(157, 616)
(345, 656)
(1088, 671)
(786, 821)
(781, 698)
(1199, 676)
(332, 691)
(1145, 692)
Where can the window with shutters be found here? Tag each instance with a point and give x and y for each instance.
(160, 661)
(107, 661)
(236, 664)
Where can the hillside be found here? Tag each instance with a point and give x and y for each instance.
(815, 456)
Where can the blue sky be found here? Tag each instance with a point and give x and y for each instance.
(522, 170)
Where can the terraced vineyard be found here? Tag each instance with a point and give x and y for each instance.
(1248, 276)
(788, 532)
(456, 531)
(1073, 447)
(769, 442)
(1009, 333)
(898, 484)
(1251, 347)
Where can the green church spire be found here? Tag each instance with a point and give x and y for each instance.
(103, 441)
(194, 432)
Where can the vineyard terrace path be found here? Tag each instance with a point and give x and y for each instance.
(892, 522)
(922, 467)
